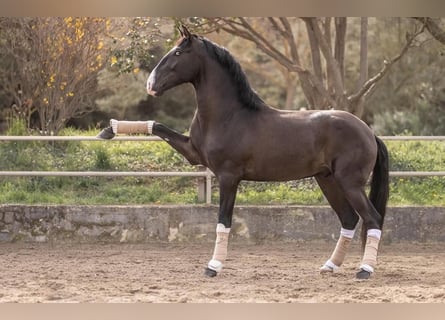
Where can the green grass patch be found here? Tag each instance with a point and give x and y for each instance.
(159, 156)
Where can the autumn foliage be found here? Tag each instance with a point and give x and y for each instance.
(55, 61)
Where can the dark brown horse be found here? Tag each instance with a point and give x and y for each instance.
(239, 137)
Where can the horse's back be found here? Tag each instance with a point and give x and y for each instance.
(308, 142)
(340, 123)
(335, 126)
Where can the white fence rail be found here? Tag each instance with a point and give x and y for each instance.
(205, 175)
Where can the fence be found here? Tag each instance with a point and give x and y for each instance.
(203, 174)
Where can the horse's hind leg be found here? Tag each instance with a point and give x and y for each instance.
(348, 219)
(354, 191)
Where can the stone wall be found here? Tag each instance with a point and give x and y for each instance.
(41, 223)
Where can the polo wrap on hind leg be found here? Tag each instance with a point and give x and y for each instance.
(220, 251)
(339, 253)
(129, 127)
(370, 255)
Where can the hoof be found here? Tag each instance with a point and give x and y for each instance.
(106, 133)
(363, 274)
(210, 273)
(326, 270)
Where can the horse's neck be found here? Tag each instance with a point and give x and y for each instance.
(216, 95)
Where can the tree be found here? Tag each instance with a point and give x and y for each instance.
(54, 64)
(133, 44)
(322, 74)
(136, 46)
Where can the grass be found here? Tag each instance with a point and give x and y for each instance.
(158, 156)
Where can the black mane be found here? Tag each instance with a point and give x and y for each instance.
(248, 97)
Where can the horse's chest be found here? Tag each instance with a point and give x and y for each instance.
(213, 153)
(211, 145)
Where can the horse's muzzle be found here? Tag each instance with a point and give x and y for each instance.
(150, 84)
(150, 89)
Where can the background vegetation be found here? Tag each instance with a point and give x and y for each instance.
(61, 75)
(58, 72)
(158, 156)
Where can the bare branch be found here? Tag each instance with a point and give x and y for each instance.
(316, 60)
(246, 31)
(331, 63)
(262, 40)
(312, 86)
(308, 79)
(433, 28)
(276, 26)
(315, 49)
(289, 36)
(369, 85)
(322, 90)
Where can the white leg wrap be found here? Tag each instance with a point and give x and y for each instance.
(128, 127)
(370, 255)
(220, 252)
(339, 253)
(347, 233)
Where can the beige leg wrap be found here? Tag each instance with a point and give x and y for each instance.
(338, 256)
(370, 255)
(128, 127)
(339, 253)
(220, 252)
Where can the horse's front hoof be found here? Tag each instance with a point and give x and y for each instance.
(106, 133)
(210, 273)
(363, 275)
(326, 270)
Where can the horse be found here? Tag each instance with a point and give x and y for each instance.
(239, 137)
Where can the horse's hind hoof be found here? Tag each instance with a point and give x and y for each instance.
(363, 274)
(210, 273)
(106, 133)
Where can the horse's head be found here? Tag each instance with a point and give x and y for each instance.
(179, 65)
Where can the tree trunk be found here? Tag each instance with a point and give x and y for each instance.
(291, 91)
(358, 107)
(340, 43)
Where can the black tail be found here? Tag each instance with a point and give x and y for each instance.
(379, 184)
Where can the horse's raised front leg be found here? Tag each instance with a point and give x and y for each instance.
(227, 187)
(179, 142)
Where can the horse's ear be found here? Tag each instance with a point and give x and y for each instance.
(185, 32)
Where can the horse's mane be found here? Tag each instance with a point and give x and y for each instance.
(248, 97)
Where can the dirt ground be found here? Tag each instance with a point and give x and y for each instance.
(277, 272)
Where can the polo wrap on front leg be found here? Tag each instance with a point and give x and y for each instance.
(129, 127)
(370, 255)
(220, 251)
(339, 253)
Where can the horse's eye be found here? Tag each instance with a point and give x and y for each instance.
(177, 53)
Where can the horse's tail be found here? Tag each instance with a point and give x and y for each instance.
(379, 184)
